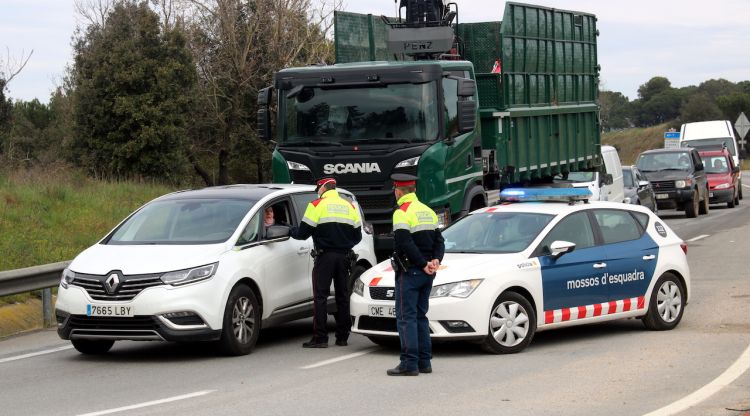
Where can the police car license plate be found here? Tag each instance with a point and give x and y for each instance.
(382, 311)
(116, 311)
(662, 196)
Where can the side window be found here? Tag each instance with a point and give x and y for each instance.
(251, 232)
(450, 89)
(642, 218)
(277, 213)
(300, 203)
(575, 228)
(617, 226)
(628, 179)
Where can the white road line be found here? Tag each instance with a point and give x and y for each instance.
(725, 379)
(700, 237)
(151, 403)
(746, 186)
(342, 358)
(34, 354)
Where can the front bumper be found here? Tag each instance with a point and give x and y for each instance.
(202, 303)
(717, 196)
(449, 318)
(674, 198)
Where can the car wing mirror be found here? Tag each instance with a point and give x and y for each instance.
(736, 169)
(559, 247)
(277, 232)
(643, 184)
(699, 166)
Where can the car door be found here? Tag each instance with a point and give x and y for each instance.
(631, 256)
(572, 279)
(283, 263)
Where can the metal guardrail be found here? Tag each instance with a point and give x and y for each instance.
(31, 278)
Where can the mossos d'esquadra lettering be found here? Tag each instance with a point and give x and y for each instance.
(605, 279)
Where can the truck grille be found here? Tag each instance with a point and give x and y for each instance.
(661, 186)
(382, 293)
(370, 202)
(129, 287)
(303, 177)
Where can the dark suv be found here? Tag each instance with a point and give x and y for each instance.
(678, 179)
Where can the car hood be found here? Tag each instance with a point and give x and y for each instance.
(101, 259)
(667, 175)
(718, 178)
(455, 267)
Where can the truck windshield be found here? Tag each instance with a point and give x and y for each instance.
(394, 113)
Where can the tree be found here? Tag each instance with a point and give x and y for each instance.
(714, 88)
(238, 45)
(614, 110)
(699, 107)
(654, 86)
(133, 86)
(732, 105)
(9, 68)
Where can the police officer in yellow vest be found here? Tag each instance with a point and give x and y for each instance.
(335, 226)
(419, 249)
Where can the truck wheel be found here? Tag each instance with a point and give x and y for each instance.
(512, 325)
(92, 346)
(241, 323)
(666, 305)
(691, 207)
(703, 210)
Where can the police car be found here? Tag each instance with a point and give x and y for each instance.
(520, 267)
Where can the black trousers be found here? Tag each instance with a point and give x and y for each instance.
(331, 266)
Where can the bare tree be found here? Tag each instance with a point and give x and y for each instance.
(10, 66)
(94, 12)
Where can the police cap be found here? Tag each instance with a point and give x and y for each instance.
(403, 179)
(325, 181)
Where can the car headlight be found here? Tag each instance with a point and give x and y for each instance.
(67, 278)
(359, 287)
(296, 166)
(408, 163)
(723, 186)
(182, 277)
(683, 183)
(458, 289)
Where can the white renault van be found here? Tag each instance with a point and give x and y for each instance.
(704, 135)
(607, 185)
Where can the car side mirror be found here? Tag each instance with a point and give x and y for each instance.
(643, 184)
(736, 169)
(559, 247)
(277, 232)
(699, 166)
(607, 179)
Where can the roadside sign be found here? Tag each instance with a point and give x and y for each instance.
(742, 125)
(671, 139)
(672, 135)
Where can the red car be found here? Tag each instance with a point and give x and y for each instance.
(722, 176)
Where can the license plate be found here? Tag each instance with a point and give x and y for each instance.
(662, 196)
(116, 311)
(382, 311)
(710, 194)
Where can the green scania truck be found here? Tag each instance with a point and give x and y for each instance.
(469, 108)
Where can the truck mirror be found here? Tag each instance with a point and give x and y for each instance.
(607, 179)
(467, 116)
(264, 113)
(466, 87)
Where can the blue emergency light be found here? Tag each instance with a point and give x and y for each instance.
(545, 195)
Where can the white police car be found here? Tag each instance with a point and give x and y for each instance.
(513, 269)
(196, 266)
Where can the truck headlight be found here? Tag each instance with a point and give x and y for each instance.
(444, 217)
(359, 287)
(296, 166)
(723, 186)
(408, 163)
(67, 278)
(458, 289)
(182, 277)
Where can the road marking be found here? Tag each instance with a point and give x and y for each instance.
(34, 354)
(700, 237)
(151, 403)
(746, 186)
(342, 358)
(726, 378)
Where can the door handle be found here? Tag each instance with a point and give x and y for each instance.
(303, 250)
(600, 265)
(649, 257)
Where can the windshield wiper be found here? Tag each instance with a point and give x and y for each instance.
(379, 140)
(662, 170)
(311, 143)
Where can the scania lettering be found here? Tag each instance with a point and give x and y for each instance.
(467, 117)
(341, 168)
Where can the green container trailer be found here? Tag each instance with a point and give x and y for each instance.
(510, 102)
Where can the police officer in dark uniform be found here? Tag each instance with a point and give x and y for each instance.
(336, 227)
(419, 248)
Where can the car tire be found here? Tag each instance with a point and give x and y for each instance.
(737, 198)
(241, 323)
(691, 208)
(667, 304)
(732, 201)
(514, 309)
(739, 184)
(354, 275)
(703, 209)
(386, 342)
(92, 346)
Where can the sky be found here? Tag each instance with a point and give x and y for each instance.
(686, 41)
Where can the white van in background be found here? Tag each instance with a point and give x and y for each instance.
(705, 135)
(607, 185)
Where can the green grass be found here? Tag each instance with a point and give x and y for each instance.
(51, 215)
(631, 142)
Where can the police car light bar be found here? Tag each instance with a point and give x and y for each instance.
(545, 195)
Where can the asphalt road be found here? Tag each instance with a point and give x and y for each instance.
(617, 368)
